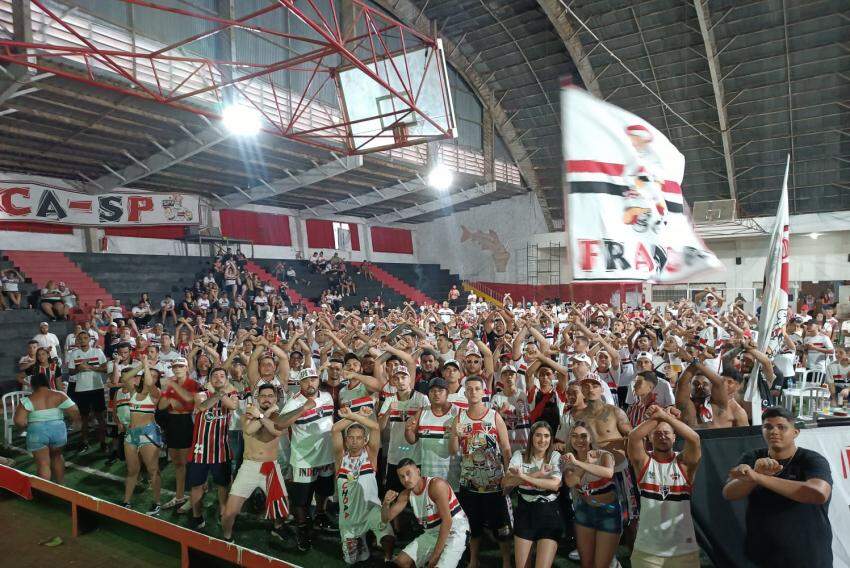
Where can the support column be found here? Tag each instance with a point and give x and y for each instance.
(488, 140)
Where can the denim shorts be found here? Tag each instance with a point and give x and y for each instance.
(606, 518)
(50, 433)
(144, 435)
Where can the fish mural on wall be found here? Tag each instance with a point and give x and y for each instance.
(490, 242)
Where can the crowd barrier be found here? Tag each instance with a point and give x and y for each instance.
(84, 510)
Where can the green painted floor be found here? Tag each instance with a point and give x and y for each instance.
(90, 474)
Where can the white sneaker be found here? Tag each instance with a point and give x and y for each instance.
(615, 563)
(175, 503)
(574, 556)
(185, 507)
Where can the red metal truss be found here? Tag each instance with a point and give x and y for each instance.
(370, 41)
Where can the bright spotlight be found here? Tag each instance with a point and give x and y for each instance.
(814, 236)
(440, 177)
(241, 120)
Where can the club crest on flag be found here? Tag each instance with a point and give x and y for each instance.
(627, 219)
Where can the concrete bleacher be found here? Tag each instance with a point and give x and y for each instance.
(311, 285)
(19, 326)
(430, 279)
(127, 276)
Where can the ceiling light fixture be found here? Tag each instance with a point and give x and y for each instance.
(241, 120)
(440, 177)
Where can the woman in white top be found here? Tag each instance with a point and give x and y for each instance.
(12, 279)
(536, 473)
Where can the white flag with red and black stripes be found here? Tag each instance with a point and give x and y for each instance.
(626, 217)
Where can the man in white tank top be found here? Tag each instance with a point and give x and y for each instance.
(665, 479)
(437, 509)
(356, 440)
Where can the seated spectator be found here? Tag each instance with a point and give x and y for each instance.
(116, 312)
(142, 311)
(68, 297)
(51, 301)
(166, 308)
(11, 280)
(291, 275)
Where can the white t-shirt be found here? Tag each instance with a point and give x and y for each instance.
(446, 314)
(167, 303)
(529, 492)
(311, 433)
(117, 312)
(87, 380)
(48, 341)
(815, 359)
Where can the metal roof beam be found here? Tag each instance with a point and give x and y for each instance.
(376, 196)
(266, 189)
(707, 30)
(569, 35)
(407, 11)
(17, 75)
(165, 158)
(441, 203)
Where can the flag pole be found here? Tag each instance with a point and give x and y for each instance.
(774, 305)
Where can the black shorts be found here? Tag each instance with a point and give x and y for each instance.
(487, 510)
(179, 431)
(391, 480)
(301, 494)
(197, 473)
(537, 521)
(90, 401)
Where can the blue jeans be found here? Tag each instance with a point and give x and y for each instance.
(606, 518)
(50, 434)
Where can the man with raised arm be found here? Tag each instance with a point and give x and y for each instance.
(356, 441)
(259, 467)
(665, 532)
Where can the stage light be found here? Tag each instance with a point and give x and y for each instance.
(814, 236)
(241, 120)
(440, 177)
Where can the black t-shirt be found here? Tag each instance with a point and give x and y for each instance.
(783, 532)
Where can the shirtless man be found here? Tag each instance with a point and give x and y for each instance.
(702, 396)
(259, 467)
(608, 423)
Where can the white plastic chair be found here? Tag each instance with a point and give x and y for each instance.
(10, 402)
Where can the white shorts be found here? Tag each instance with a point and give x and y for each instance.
(420, 549)
(311, 474)
(354, 545)
(249, 478)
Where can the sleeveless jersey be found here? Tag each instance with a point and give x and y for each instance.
(357, 490)
(398, 447)
(356, 397)
(210, 443)
(122, 406)
(435, 459)
(481, 467)
(666, 527)
(426, 512)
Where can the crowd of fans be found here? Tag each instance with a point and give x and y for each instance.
(571, 410)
